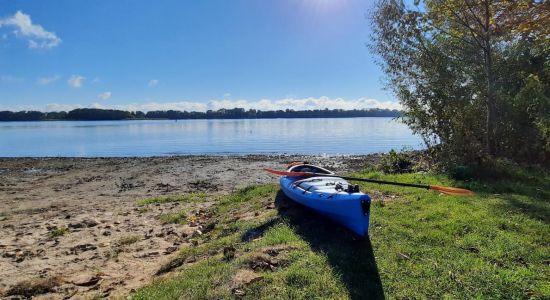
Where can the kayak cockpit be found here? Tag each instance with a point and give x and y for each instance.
(320, 184)
(323, 184)
(309, 168)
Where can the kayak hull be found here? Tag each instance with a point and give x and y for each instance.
(351, 210)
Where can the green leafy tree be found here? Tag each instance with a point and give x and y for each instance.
(446, 61)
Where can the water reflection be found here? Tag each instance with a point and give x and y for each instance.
(255, 136)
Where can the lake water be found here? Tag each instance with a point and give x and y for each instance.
(165, 137)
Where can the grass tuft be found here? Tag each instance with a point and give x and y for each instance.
(56, 232)
(128, 240)
(34, 287)
(174, 218)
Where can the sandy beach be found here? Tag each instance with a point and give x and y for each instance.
(108, 242)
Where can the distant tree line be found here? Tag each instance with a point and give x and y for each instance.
(83, 114)
(241, 113)
(91, 114)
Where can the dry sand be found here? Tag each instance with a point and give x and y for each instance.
(112, 245)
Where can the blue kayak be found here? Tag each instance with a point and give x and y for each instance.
(330, 196)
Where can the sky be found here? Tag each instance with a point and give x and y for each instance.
(188, 55)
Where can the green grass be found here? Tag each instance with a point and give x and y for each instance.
(193, 197)
(175, 218)
(495, 245)
(56, 232)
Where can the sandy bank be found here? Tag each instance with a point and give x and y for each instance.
(111, 245)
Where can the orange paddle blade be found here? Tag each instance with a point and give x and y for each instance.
(452, 191)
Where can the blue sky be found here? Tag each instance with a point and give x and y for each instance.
(192, 55)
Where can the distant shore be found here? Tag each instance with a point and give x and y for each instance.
(68, 216)
(94, 114)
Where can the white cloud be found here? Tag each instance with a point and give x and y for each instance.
(98, 105)
(263, 104)
(304, 104)
(47, 80)
(104, 96)
(182, 105)
(153, 82)
(36, 35)
(76, 81)
(95, 80)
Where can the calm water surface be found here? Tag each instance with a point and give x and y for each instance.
(152, 138)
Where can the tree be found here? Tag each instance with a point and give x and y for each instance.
(441, 59)
(481, 25)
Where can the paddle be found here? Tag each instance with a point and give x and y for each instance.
(443, 189)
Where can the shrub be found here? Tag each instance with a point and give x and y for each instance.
(396, 162)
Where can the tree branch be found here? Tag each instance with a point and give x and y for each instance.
(470, 8)
(472, 31)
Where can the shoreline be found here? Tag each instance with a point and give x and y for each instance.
(93, 204)
(230, 155)
(206, 119)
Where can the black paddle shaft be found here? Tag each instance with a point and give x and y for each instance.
(422, 186)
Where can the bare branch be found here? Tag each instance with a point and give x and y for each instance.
(474, 15)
